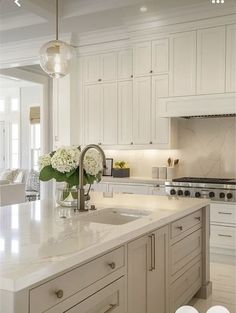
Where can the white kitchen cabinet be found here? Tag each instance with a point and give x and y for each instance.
(160, 126)
(160, 56)
(125, 112)
(100, 67)
(147, 273)
(100, 106)
(142, 60)
(109, 113)
(211, 60)
(125, 64)
(129, 188)
(231, 58)
(93, 114)
(142, 110)
(183, 64)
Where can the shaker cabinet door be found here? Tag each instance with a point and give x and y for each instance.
(160, 56)
(125, 64)
(142, 110)
(211, 60)
(91, 69)
(183, 64)
(108, 66)
(142, 58)
(231, 58)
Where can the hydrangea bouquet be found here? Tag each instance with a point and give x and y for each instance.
(63, 166)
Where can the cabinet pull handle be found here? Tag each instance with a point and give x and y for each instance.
(127, 193)
(151, 253)
(179, 227)
(198, 218)
(154, 251)
(59, 294)
(111, 308)
(225, 213)
(112, 265)
(221, 235)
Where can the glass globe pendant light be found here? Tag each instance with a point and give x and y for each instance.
(56, 56)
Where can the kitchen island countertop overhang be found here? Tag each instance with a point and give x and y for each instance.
(39, 240)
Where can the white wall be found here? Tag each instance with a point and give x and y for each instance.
(30, 96)
(207, 147)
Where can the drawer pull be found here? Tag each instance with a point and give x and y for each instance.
(225, 213)
(179, 227)
(112, 265)
(222, 235)
(111, 308)
(198, 218)
(59, 294)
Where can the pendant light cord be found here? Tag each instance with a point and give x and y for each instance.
(56, 19)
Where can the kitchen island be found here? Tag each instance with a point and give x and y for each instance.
(55, 260)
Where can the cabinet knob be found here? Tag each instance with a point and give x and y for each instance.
(198, 218)
(151, 72)
(112, 265)
(131, 76)
(132, 143)
(99, 79)
(180, 227)
(59, 293)
(150, 142)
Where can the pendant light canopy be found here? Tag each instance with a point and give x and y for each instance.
(56, 56)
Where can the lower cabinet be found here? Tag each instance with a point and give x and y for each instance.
(147, 273)
(107, 300)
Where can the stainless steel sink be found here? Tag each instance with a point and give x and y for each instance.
(114, 216)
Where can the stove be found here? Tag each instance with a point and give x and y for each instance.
(216, 189)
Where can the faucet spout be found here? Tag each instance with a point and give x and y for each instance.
(81, 198)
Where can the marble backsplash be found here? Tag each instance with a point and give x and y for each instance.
(207, 148)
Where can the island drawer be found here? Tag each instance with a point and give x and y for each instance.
(185, 286)
(185, 250)
(53, 292)
(180, 226)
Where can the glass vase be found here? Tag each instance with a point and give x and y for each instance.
(68, 196)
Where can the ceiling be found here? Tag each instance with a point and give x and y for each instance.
(36, 18)
(11, 82)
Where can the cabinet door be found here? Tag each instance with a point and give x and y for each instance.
(160, 56)
(147, 273)
(129, 189)
(142, 59)
(211, 60)
(183, 64)
(231, 58)
(157, 276)
(160, 126)
(142, 110)
(125, 105)
(125, 64)
(93, 114)
(109, 66)
(109, 113)
(91, 68)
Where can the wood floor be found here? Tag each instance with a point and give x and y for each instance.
(223, 277)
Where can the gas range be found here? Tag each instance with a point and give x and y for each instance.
(216, 189)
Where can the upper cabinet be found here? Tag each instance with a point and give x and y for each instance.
(142, 58)
(231, 58)
(125, 64)
(183, 64)
(211, 60)
(99, 68)
(151, 57)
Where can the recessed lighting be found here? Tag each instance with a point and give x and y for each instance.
(143, 9)
(17, 3)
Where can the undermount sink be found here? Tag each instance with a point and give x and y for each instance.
(114, 216)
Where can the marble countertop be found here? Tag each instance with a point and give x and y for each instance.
(136, 180)
(36, 242)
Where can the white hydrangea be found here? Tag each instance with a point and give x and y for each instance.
(66, 159)
(44, 160)
(93, 162)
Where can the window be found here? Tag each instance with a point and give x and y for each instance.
(2, 105)
(14, 145)
(35, 146)
(14, 104)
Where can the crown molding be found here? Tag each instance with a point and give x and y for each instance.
(23, 20)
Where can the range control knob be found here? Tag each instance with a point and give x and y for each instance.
(229, 195)
(222, 195)
(172, 192)
(187, 193)
(197, 194)
(211, 194)
(180, 192)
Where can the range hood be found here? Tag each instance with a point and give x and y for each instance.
(218, 105)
